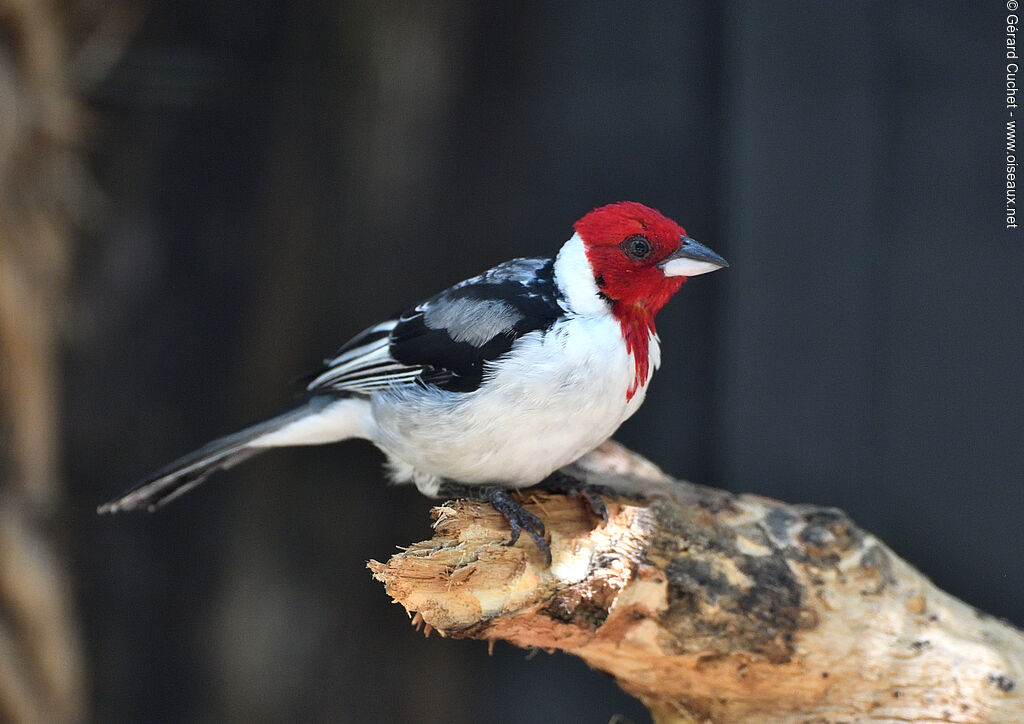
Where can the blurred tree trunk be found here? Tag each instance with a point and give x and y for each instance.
(41, 666)
(366, 204)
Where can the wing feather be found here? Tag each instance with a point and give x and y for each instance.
(446, 340)
(365, 364)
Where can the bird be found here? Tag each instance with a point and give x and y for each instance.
(494, 384)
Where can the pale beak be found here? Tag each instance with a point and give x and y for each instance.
(690, 260)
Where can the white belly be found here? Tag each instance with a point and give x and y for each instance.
(561, 395)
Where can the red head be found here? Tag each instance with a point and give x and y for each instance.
(640, 258)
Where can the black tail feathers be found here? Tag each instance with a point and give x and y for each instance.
(180, 477)
(189, 471)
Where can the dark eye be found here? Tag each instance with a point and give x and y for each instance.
(636, 247)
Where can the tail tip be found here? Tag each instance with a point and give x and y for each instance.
(108, 508)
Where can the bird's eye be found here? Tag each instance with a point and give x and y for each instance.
(636, 247)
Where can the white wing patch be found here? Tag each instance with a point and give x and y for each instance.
(472, 320)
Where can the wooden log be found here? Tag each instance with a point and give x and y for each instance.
(715, 607)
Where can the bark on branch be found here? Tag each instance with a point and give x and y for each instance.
(714, 607)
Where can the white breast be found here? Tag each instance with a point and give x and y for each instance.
(555, 397)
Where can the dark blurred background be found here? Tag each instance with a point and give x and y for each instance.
(235, 188)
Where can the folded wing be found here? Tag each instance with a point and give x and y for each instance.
(446, 340)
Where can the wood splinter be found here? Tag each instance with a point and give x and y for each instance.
(709, 606)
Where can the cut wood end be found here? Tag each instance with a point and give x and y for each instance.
(709, 606)
(467, 573)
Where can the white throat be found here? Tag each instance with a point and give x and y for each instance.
(575, 278)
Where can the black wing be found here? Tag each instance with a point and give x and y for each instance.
(446, 340)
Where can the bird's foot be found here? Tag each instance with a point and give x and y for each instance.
(518, 517)
(559, 482)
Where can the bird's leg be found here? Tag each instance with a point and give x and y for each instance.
(518, 517)
(559, 482)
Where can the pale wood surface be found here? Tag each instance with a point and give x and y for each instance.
(714, 607)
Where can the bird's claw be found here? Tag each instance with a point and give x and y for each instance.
(518, 517)
(559, 482)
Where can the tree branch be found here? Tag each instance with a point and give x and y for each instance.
(714, 607)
